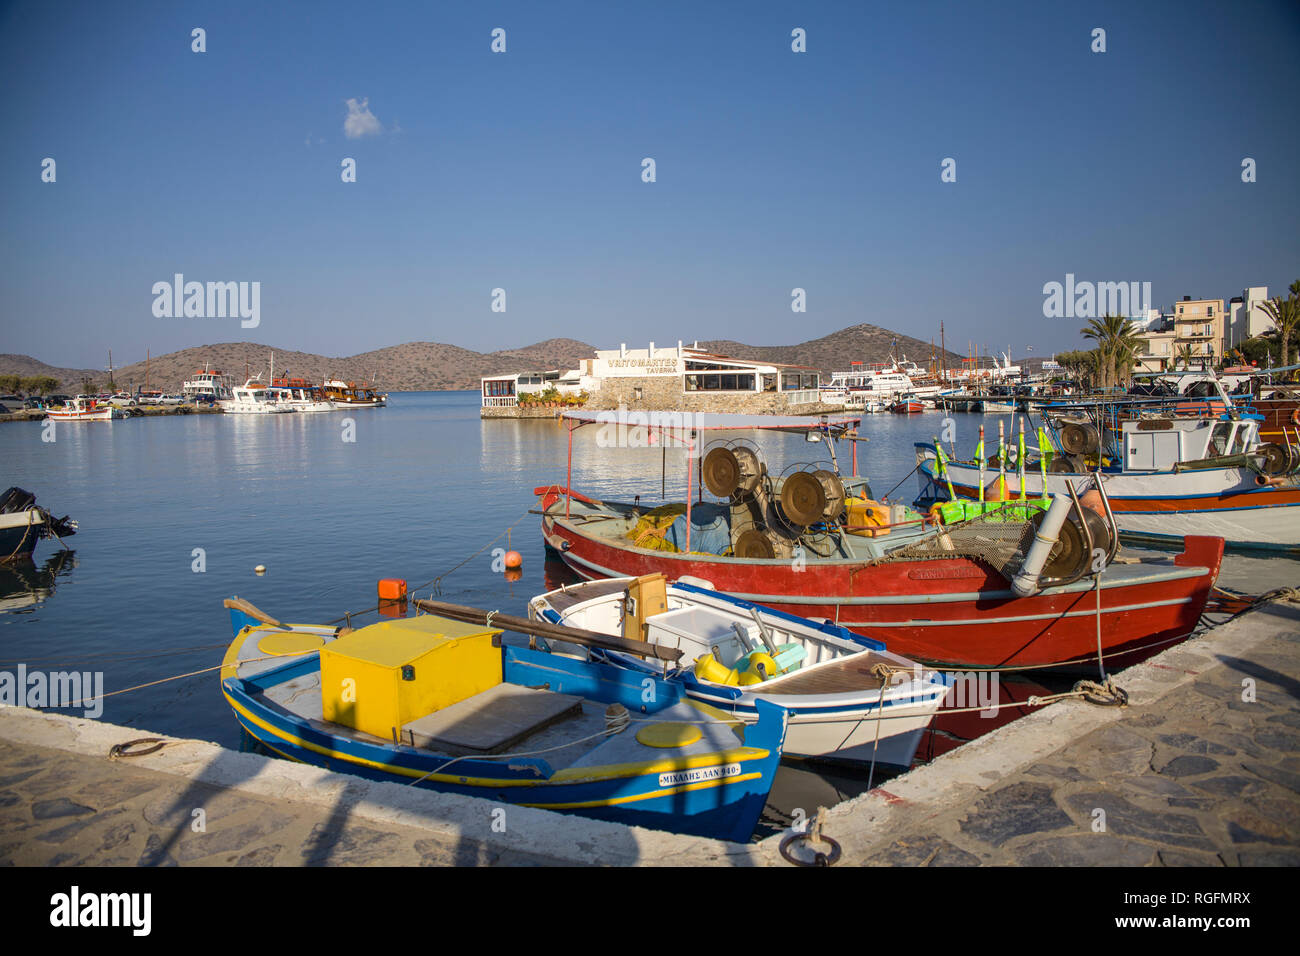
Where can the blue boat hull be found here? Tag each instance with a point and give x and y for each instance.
(716, 796)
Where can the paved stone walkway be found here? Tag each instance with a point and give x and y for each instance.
(1189, 775)
(65, 809)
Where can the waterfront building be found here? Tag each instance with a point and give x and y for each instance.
(1198, 325)
(1156, 351)
(1246, 317)
(680, 377)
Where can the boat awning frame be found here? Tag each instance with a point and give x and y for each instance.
(687, 422)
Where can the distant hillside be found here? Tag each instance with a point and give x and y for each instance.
(834, 352)
(417, 366)
(410, 367)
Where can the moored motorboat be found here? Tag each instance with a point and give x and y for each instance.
(254, 398)
(446, 705)
(23, 523)
(849, 698)
(300, 395)
(86, 408)
(352, 394)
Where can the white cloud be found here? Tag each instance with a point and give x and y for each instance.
(360, 121)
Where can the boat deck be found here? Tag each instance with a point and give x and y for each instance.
(510, 717)
(847, 674)
(563, 600)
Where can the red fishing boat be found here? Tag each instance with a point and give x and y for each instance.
(889, 575)
(907, 406)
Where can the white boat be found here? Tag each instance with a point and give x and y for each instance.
(848, 697)
(1165, 477)
(253, 398)
(86, 408)
(300, 398)
(207, 385)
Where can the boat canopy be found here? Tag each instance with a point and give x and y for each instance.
(677, 421)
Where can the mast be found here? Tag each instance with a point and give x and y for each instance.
(943, 353)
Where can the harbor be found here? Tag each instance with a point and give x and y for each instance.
(849, 771)
(749, 441)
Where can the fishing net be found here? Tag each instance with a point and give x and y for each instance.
(652, 528)
(1000, 537)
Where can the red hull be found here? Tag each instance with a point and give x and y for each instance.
(946, 611)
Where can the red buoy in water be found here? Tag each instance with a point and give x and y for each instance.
(514, 559)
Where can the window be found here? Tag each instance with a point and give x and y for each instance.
(712, 382)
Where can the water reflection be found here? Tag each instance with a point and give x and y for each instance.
(24, 583)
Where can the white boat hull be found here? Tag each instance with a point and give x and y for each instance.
(1167, 506)
(863, 725)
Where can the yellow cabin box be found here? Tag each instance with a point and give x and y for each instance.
(646, 597)
(382, 677)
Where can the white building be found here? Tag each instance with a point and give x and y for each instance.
(662, 376)
(1246, 317)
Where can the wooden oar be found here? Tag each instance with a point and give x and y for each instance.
(239, 604)
(554, 632)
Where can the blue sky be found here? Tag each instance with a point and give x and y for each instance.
(522, 170)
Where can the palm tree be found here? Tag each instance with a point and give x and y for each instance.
(1183, 354)
(1285, 314)
(1117, 342)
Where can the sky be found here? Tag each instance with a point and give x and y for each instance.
(522, 170)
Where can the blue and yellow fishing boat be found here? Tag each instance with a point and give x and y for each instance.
(450, 705)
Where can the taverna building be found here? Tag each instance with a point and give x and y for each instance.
(674, 378)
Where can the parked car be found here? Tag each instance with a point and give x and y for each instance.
(54, 401)
(4, 409)
(34, 403)
(172, 400)
(123, 400)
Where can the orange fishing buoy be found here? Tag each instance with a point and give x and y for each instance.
(993, 492)
(1092, 499)
(514, 559)
(392, 589)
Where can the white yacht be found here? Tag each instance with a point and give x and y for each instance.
(300, 395)
(207, 385)
(254, 398)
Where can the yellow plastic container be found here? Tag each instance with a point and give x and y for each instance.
(382, 677)
(866, 517)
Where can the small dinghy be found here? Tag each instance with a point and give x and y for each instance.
(23, 523)
(448, 705)
(848, 697)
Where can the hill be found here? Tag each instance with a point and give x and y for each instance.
(417, 366)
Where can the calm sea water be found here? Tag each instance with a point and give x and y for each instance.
(425, 485)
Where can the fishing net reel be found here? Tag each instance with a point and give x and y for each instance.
(1071, 558)
(810, 503)
(733, 470)
(1276, 461)
(753, 539)
(1079, 437)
